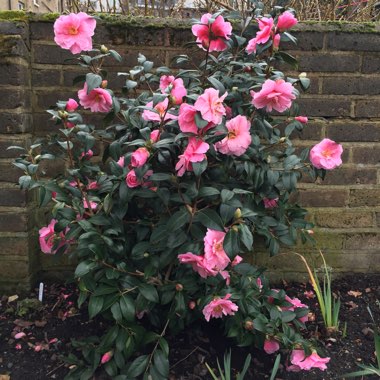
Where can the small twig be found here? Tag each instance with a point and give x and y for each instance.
(56, 368)
(187, 356)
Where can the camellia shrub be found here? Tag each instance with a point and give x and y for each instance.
(197, 171)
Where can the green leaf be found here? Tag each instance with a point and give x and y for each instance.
(116, 312)
(217, 84)
(127, 307)
(95, 305)
(208, 191)
(177, 220)
(139, 249)
(210, 219)
(246, 236)
(161, 363)
(138, 366)
(115, 55)
(231, 243)
(149, 292)
(84, 267)
(93, 81)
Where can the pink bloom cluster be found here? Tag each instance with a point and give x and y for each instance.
(271, 346)
(214, 260)
(74, 32)
(98, 100)
(296, 303)
(174, 87)
(194, 152)
(326, 155)
(133, 181)
(71, 105)
(270, 203)
(47, 238)
(211, 36)
(301, 362)
(219, 307)
(267, 31)
(161, 112)
(274, 95)
(238, 138)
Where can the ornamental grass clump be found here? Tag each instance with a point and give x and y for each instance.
(194, 173)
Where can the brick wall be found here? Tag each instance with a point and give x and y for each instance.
(343, 62)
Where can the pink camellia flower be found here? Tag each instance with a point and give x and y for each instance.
(237, 260)
(87, 155)
(132, 180)
(74, 32)
(215, 255)
(194, 152)
(47, 236)
(18, 346)
(186, 118)
(262, 36)
(154, 136)
(170, 85)
(286, 21)
(238, 138)
(219, 307)
(296, 303)
(106, 357)
(98, 100)
(162, 112)
(92, 185)
(71, 105)
(198, 264)
(69, 124)
(270, 203)
(121, 161)
(302, 119)
(271, 346)
(259, 284)
(277, 95)
(212, 36)
(20, 335)
(276, 41)
(326, 155)
(226, 276)
(139, 157)
(300, 361)
(91, 204)
(210, 105)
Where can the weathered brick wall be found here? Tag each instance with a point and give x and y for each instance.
(343, 62)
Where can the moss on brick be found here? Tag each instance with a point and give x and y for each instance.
(14, 16)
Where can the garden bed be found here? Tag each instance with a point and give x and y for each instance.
(50, 328)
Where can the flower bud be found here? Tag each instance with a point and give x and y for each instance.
(282, 139)
(235, 229)
(302, 75)
(248, 325)
(192, 305)
(178, 287)
(103, 49)
(146, 254)
(235, 88)
(237, 214)
(63, 114)
(106, 357)
(190, 209)
(310, 232)
(104, 84)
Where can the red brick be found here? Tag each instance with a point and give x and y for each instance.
(329, 62)
(351, 85)
(364, 197)
(323, 197)
(344, 219)
(366, 155)
(358, 131)
(325, 107)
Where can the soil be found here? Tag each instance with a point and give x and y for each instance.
(49, 329)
